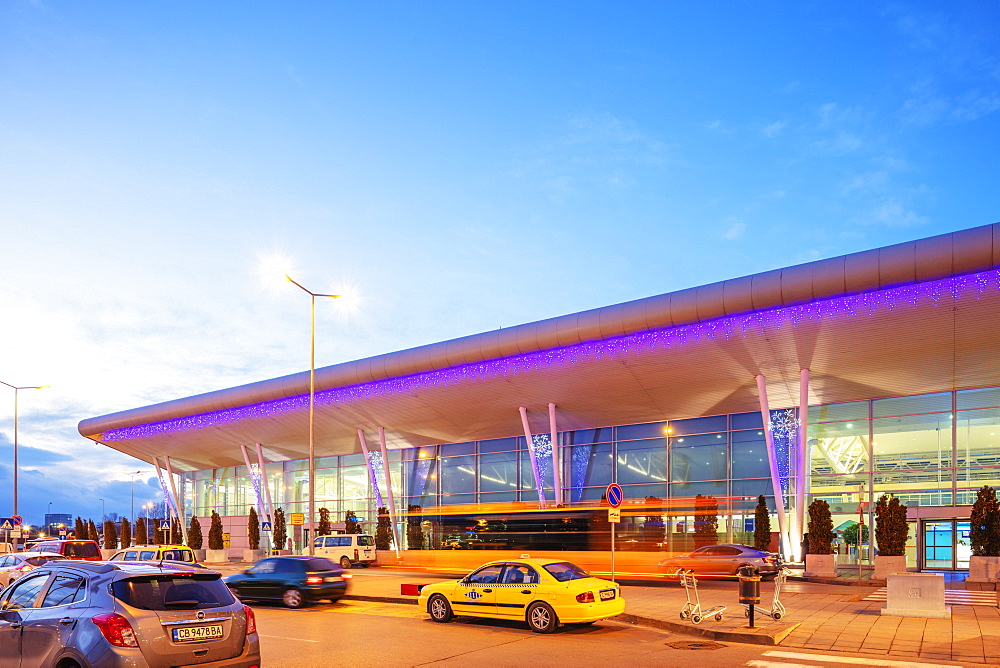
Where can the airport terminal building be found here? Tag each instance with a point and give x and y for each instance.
(842, 379)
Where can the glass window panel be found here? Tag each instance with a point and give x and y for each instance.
(986, 397)
(702, 457)
(421, 477)
(355, 484)
(586, 436)
(692, 489)
(452, 449)
(327, 462)
(841, 492)
(749, 454)
(635, 431)
(746, 421)
(640, 492)
(642, 461)
(498, 445)
(914, 442)
(498, 472)
(852, 410)
(838, 447)
(923, 403)
(352, 460)
(498, 497)
(978, 444)
(752, 488)
(701, 425)
(458, 475)
(455, 499)
(589, 465)
(908, 481)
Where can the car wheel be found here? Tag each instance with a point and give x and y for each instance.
(542, 618)
(292, 598)
(673, 571)
(439, 609)
(345, 563)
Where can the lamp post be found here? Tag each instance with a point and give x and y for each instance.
(312, 408)
(102, 510)
(132, 514)
(16, 390)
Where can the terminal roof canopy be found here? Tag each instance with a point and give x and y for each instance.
(916, 317)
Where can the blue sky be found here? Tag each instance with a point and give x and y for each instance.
(454, 166)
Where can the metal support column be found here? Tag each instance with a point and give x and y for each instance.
(256, 490)
(531, 455)
(801, 466)
(388, 487)
(556, 458)
(371, 471)
(167, 496)
(178, 500)
(267, 487)
(779, 496)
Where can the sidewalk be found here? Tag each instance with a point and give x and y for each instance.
(819, 616)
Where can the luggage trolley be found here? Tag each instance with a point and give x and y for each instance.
(777, 610)
(692, 609)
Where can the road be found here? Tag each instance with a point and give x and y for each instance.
(360, 634)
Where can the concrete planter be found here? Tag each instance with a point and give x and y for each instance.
(253, 556)
(280, 553)
(915, 595)
(217, 556)
(885, 566)
(199, 555)
(983, 569)
(107, 554)
(821, 565)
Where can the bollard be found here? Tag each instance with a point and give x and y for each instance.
(749, 589)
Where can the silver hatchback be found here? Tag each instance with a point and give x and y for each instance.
(79, 613)
(722, 560)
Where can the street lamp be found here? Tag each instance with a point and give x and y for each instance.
(16, 390)
(132, 515)
(102, 510)
(312, 408)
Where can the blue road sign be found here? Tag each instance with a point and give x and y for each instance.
(7, 523)
(165, 525)
(265, 526)
(615, 495)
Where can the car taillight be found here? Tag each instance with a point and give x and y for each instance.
(356, 555)
(770, 560)
(313, 579)
(585, 597)
(116, 629)
(251, 620)
(25, 568)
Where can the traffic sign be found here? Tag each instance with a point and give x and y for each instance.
(614, 495)
(297, 518)
(10, 522)
(165, 525)
(265, 526)
(615, 515)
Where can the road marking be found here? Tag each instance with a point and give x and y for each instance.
(287, 638)
(867, 661)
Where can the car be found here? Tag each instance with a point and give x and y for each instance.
(545, 593)
(292, 580)
(84, 613)
(70, 549)
(346, 549)
(155, 553)
(13, 566)
(723, 559)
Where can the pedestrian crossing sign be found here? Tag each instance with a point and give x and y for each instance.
(265, 526)
(165, 525)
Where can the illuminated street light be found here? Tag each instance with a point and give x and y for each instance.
(16, 390)
(312, 408)
(132, 515)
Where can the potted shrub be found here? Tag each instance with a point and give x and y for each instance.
(383, 530)
(761, 526)
(351, 523)
(110, 539)
(706, 521)
(253, 554)
(984, 534)
(140, 532)
(820, 562)
(891, 531)
(414, 528)
(217, 552)
(126, 534)
(280, 533)
(195, 539)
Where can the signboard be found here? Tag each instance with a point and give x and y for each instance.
(614, 495)
(165, 525)
(225, 540)
(265, 526)
(10, 522)
(15, 533)
(62, 533)
(297, 518)
(615, 515)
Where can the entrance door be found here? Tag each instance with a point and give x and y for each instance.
(946, 545)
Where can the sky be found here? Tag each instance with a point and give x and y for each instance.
(453, 167)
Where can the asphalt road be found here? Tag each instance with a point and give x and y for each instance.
(361, 634)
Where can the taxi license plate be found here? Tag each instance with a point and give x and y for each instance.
(196, 633)
(607, 594)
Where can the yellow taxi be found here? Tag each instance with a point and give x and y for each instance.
(545, 593)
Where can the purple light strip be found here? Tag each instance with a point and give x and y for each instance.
(865, 304)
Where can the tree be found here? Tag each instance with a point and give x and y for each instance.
(323, 528)
(820, 528)
(80, 529)
(215, 541)
(253, 529)
(176, 535)
(141, 537)
(851, 534)
(654, 530)
(280, 530)
(351, 524)
(92, 533)
(414, 528)
(126, 533)
(761, 526)
(383, 530)
(155, 532)
(891, 529)
(706, 521)
(110, 535)
(194, 534)
(984, 524)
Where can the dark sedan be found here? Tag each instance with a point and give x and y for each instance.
(722, 560)
(293, 580)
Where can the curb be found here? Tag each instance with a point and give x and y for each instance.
(380, 599)
(843, 582)
(771, 636)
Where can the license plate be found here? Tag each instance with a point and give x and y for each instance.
(607, 594)
(196, 633)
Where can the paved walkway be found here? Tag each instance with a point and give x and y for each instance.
(819, 616)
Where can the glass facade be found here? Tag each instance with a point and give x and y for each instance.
(929, 450)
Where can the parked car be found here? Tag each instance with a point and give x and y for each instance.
(155, 553)
(81, 613)
(346, 549)
(293, 580)
(545, 593)
(70, 549)
(723, 559)
(13, 566)
(6, 548)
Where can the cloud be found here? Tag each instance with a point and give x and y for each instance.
(892, 213)
(734, 229)
(774, 129)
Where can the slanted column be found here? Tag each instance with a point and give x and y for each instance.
(254, 487)
(531, 456)
(371, 471)
(179, 500)
(388, 487)
(772, 459)
(801, 466)
(267, 489)
(167, 496)
(556, 457)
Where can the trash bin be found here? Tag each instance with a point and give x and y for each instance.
(749, 589)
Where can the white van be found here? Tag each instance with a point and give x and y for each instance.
(347, 549)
